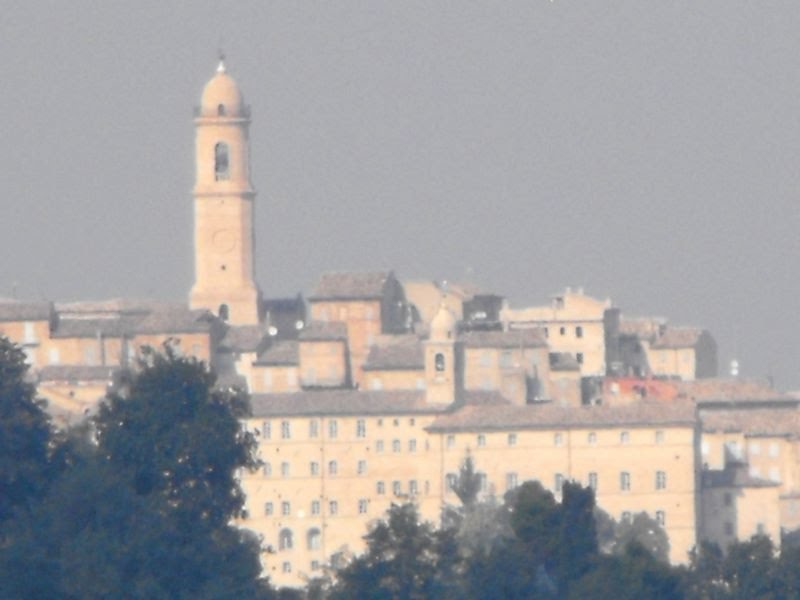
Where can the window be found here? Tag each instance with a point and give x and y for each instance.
(579, 357)
(315, 565)
(559, 482)
(774, 474)
(266, 430)
(287, 566)
(314, 467)
(727, 499)
(284, 469)
(412, 487)
(562, 330)
(285, 539)
(361, 467)
(661, 480)
(558, 439)
(481, 440)
(361, 428)
(773, 449)
(704, 447)
(362, 506)
(625, 481)
(396, 422)
(579, 332)
(267, 469)
(661, 517)
(624, 437)
(221, 162)
(333, 429)
(593, 480)
(592, 438)
(314, 539)
(380, 488)
(379, 446)
(483, 481)
(315, 507)
(333, 507)
(396, 488)
(286, 430)
(450, 480)
(396, 447)
(451, 441)
(313, 428)
(512, 439)
(221, 110)
(760, 529)
(438, 362)
(268, 509)
(412, 445)
(380, 422)
(511, 481)
(333, 468)
(659, 437)
(286, 509)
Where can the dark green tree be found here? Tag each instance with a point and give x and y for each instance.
(24, 435)
(400, 561)
(121, 519)
(577, 545)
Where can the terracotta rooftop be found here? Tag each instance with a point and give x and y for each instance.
(279, 353)
(678, 337)
(76, 373)
(320, 331)
(357, 402)
(753, 422)
(25, 311)
(351, 286)
(718, 390)
(405, 353)
(166, 321)
(482, 418)
(520, 338)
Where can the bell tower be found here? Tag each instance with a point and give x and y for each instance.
(444, 360)
(223, 205)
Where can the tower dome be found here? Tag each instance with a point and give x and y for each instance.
(221, 96)
(443, 325)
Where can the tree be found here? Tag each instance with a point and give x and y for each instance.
(142, 506)
(24, 434)
(400, 561)
(577, 534)
(468, 483)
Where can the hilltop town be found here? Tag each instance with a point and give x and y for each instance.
(374, 389)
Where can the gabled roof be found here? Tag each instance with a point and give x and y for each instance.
(351, 286)
(402, 354)
(76, 373)
(513, 417)
(519, 338)
(279, 353)
(733, 391)
(323, 331)
(759, 422)
(243, 338)
(25, 311)
(678, 337)
(170, 320)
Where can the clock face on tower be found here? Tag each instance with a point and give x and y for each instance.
(223, 240)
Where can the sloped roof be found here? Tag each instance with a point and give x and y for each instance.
(734, 476)
(719, 390)
(351, 286)
(678, 337)
(493, 417)
(25, 311)
(172, 320)
(753, 422)
(76, 373)
(243, 338)
(644, 328)
(519, 338)
(279, 353)
(406, 353)
(321, 331)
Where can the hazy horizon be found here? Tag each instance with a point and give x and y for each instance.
(645, 151)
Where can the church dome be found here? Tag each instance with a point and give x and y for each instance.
(443, 325)
(221, 96)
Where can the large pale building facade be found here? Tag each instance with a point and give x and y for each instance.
(374, 392)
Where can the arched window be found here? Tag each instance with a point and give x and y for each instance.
(223, 312)
(438, 362)
(221, 162)
(314, 539)
(221, 110)
(285, 539)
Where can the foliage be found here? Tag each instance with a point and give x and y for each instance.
(24, 434)
(140, 507)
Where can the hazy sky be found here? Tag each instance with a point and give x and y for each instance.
(646, 150)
